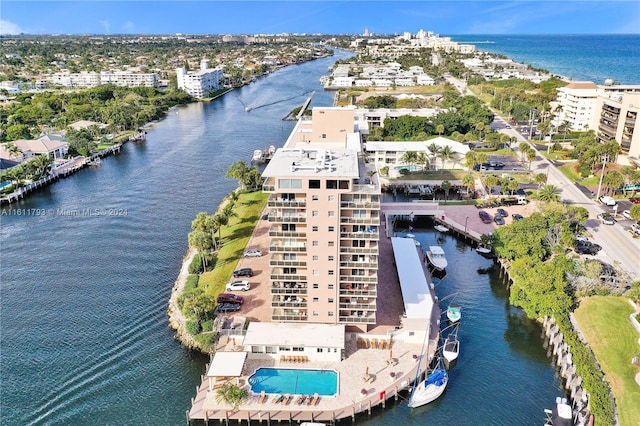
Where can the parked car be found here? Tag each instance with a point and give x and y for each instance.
(227, 307)
(606, 219)
(627, 214)
(244, 272)
(587, 247)
(503, 213)
(253, 253)
(229, 298)
(634, 200)
(238, 286)
(498, 219)
(607, 200)
(580, 237)
(517, 216)
(484, 216)
(635, 228)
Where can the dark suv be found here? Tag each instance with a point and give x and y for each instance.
(587, 247)
(485, 217)
(244, 272)
(230, 298)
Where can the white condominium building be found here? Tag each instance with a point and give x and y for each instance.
(577, 101)
(199, 83)
(324, 224)
(129, 79)
(617, 120)
(86, 79)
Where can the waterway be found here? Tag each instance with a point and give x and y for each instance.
(85, 283)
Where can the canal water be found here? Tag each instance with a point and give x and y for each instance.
(87, 273)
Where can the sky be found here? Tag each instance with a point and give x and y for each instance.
(324, 17)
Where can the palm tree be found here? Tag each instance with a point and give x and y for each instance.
(409, 157)
(446, 153)
(201, 242)
(232, 395)
(531, 155)
(469, 182)
(540, 178)
(433, 150)
(470, 159)
(549, 193)
(512, 185)
(42, 165)
(440, 129)
(446, 186)
(421, 159)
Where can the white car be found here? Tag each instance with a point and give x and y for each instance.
(238, 286)
(252, 253)
(606, 219)
(607, 201)
(626, 214)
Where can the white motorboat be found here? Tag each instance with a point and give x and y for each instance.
(436, 257)
(441, 228)
(454, 312)
(483, 250)
(451, 348)
(431, 388)
(560, 415)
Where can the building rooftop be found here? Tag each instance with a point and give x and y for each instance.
(295, 335)
(416, 291)
(313, 162)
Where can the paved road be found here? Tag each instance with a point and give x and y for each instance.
(619, 247)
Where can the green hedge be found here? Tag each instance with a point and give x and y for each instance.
(193, 327)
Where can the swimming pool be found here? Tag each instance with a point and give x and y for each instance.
(285, 380)
(410, 167)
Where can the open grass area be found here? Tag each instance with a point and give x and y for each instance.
(604, 322)
(234, 239)
(569, 171)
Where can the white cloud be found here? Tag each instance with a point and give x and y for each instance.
(105, 25)
(7, 27)
(129, 27)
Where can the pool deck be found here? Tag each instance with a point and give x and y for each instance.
(349, 401)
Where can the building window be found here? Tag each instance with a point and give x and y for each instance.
(332, 197)
(319, 350)
(314, 228)
(332, 214)
(330, 313)
(314, 213)
(316, 286)
(298, 349)
(324, 136)
(314, 243)
(314, 184)
(330, 258)
(332, 229)
(330, 300)
(284, 349)
(332, 184)
(332, 243)
(315, 300)
(315, 313)
(412, 333)
(314, 198)
(315, 258)
(315, 272)
(289, 183)
(331, 272)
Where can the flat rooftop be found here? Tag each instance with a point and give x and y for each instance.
(416, 290)
(313, 162)
(300, 335)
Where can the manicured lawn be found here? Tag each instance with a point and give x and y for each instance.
(605, 324)
(235, 237)
(569, 171)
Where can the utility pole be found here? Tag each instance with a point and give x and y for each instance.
(604, 165)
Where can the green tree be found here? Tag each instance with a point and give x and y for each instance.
(409, 157)
(469, 181)
(434, 150)
(446, 186)
(613, 180)
(17, 131)
(201, 241)
(531, 155)
(549, 193)
(232, 395)
(634, 211)
(540, 178)
(446, 154)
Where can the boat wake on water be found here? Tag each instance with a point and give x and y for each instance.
(248, 108)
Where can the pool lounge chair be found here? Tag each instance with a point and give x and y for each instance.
(315, 399)
(263, 398)
(277, 399)
(301, 399)
(287, 399)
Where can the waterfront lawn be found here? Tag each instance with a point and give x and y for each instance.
(604, 322)
(569, 170)
(235, 236)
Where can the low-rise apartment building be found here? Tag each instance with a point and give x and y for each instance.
(199, 83)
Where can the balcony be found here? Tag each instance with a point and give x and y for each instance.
(288, 249)
(364, 318)
(288, 277)
(359, 278)
(364, 264)
(371, 220)
(286, 203)
(360, 235)
(275, 218)
(274, 263)
(365, 189)
(274, 233)
(279, 314)
(359, 250)
(362, 204)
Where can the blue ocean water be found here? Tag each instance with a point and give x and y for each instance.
(578, 57)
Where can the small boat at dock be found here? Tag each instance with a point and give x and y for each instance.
(431, 388)
(560, 415)
(441, 228)
(451, 348)
(454, 312)
(436, 257)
